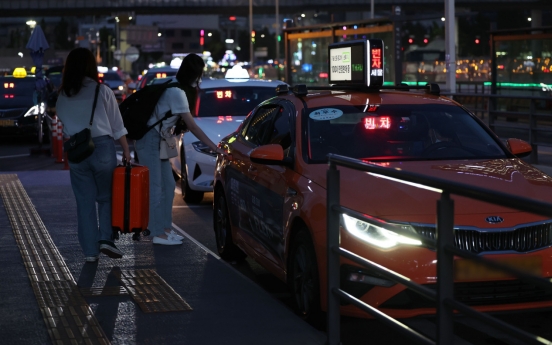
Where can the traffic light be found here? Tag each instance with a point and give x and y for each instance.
(426, 40)
(410, 40)
(477, 41)
(253, 36)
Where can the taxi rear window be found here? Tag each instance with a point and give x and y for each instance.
(16, 92)
(398, 132)
(232, 101)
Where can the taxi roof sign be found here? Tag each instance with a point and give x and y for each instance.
(356, 63)
(19, 72)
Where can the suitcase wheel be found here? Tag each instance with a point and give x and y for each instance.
(136, 236)
(146, 232)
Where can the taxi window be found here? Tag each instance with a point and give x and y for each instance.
(260, 128)
(233, 101)
(16, 92)
(399, 132)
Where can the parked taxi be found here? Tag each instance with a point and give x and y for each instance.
(19, 111)
(270, 195)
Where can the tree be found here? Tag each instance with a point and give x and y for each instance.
(470, 28)
(243, 43)
(215, 46)
(61, 33)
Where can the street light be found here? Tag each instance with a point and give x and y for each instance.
(251, 33)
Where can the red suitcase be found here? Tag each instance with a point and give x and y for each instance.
(130, 200)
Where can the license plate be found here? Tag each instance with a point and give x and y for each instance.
(470, 270)
(7, 123)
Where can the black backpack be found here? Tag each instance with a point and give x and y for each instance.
(138, 108)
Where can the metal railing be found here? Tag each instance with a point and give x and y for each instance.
(445, 252)
(526, 118)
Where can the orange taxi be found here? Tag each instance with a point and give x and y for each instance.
(270, 196)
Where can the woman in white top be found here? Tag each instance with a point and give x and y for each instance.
(162, 182)
(91, 179)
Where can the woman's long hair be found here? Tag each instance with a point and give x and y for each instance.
(190, 72)
(80, 63)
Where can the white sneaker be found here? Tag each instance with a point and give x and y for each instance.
(172, 233)
(91, 258)
(169, 241)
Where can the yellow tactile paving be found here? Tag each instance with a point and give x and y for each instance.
(151, 292)
(68, 317)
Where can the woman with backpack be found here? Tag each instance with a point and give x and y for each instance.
(81, 100)
(162, 183)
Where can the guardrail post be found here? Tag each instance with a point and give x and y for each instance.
(534, 158)
(333, 317)
(445, 268)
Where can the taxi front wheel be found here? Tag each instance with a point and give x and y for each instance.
(303, 279)
(223, 233)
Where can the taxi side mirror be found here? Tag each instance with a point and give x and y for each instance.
(519, 147)
(272, 154)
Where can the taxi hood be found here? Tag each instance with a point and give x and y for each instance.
(388, 199)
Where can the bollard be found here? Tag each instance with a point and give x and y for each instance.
(54, 137)
(66, 166)
(59, 136)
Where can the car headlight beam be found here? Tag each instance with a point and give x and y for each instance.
(377, 235)
(35, 110)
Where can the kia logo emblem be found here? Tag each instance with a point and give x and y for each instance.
(494, 219)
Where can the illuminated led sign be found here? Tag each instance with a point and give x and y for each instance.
(374, 122)
(356, 63)
(223, 94)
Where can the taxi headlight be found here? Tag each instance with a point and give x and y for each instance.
(35, 110)
(201, 147)
(377, 235)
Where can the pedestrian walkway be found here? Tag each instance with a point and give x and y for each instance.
(154, 295)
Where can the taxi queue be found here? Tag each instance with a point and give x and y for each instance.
(270, 191)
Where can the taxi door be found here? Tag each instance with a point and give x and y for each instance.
(266, 185)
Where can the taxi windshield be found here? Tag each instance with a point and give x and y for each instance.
(398, 132)
(233, 101)
(16, 92)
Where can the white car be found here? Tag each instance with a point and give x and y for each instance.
(221, 107)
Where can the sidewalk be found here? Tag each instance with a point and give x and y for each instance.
(227, 308)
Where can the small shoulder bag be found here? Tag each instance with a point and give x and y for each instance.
(80, 145)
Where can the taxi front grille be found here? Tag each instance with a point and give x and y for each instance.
(11, 113)
(522, 239)
(475, 294)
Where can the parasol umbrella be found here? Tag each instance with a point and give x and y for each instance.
(37, 45)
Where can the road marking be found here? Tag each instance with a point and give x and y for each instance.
(15, 156)
(175, 227)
